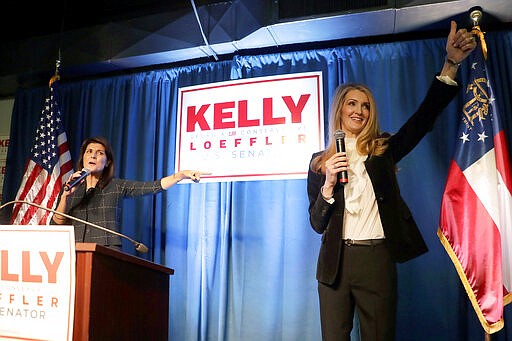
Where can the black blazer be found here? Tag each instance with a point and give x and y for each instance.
(403, 237)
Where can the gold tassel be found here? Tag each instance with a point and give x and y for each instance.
(478, 32)
(54, 78)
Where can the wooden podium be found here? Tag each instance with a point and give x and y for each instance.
(119, 296)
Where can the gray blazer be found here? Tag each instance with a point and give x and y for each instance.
(102, 206)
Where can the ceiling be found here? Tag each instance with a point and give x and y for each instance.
(53, 16)
(108, 36)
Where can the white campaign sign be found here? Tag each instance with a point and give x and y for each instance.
(37, 282)
(251, 129)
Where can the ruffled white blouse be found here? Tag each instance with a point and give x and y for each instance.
(361, 216)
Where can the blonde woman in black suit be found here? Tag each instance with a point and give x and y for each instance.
(365, 224)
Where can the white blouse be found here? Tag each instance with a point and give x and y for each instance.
(361, 217)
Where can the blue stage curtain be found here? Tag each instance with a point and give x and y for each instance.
(244, 253)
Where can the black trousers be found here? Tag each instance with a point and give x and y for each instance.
(367, 282)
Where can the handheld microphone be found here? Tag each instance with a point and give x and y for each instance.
(339, 137)
(77, 180)
(138, 246)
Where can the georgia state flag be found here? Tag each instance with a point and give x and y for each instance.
(476, 212)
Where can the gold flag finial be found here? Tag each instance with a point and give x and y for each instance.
(475, 16)
(56, 76)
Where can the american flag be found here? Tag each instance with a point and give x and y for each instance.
(476, 211)
(48, 167)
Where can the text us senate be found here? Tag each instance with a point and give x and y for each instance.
(24, 274)
(232, 114)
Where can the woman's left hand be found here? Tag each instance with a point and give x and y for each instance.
(460, 43)
(193, 175)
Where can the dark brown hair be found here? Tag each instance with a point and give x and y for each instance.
(108, 171)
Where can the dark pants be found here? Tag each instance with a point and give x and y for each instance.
(367, 282)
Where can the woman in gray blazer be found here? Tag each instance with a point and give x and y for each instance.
(95, 195)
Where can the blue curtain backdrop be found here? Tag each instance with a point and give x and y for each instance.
(244, 253)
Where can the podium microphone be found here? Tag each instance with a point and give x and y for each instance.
(339, 136)
(138, 246)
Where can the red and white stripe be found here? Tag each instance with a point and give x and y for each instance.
(42, 188)
(476, 221)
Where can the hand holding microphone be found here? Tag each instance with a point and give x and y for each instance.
(339, 137)
(75, 181)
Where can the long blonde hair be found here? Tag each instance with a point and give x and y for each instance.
(369, 141)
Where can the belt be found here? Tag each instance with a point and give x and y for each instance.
(363, 242)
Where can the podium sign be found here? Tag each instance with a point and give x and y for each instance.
(37, 282)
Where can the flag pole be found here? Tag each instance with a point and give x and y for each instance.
(475, 16)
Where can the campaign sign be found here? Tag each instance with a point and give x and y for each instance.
(37, 282)
(4, 146)
(251, 129)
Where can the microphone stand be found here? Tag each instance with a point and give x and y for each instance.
(138, 246)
